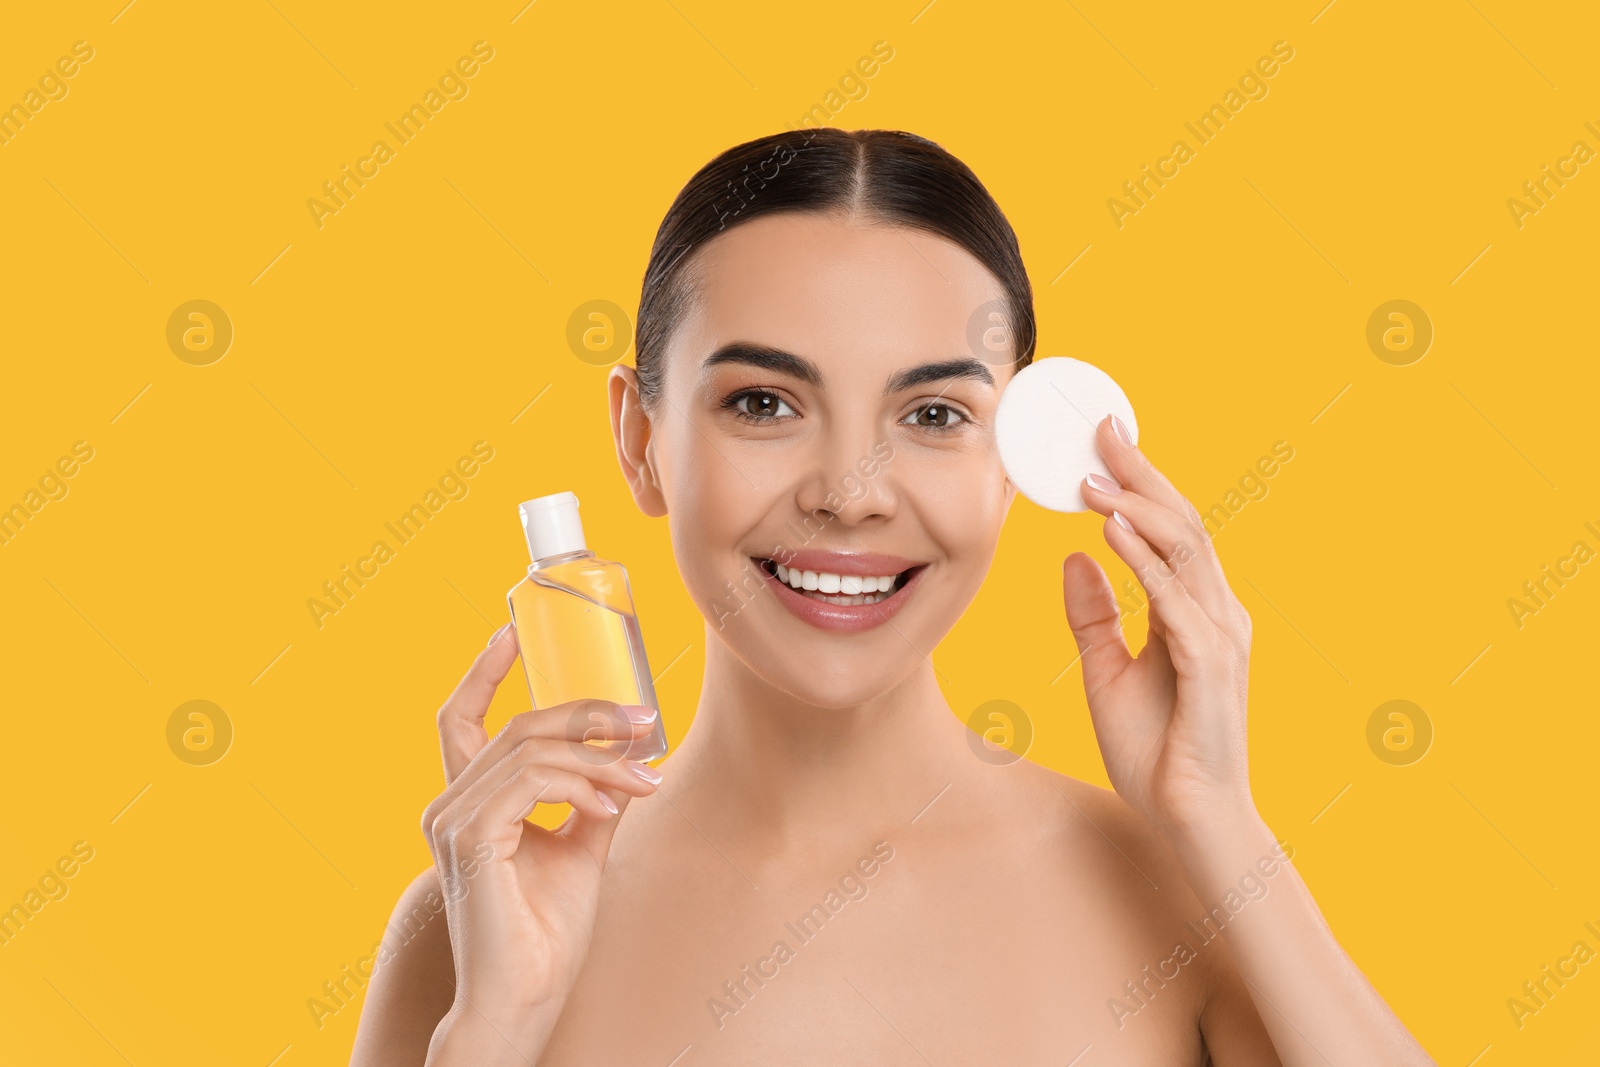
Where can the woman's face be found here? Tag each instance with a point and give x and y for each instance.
(824, 405)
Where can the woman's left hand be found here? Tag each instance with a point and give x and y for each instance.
(1171, 722)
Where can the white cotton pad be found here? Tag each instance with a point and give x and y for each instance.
(1045, 428)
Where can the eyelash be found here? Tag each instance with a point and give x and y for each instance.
(732, 404)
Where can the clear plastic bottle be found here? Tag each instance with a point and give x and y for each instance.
(576, 625)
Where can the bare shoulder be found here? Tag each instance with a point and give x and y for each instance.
(413, 981)
(1111, 860)
(1103, 838)
(1120, 859)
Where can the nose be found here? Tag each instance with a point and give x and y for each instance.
(849, 474)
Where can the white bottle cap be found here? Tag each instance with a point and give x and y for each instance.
(551, 525)
(1044, 428)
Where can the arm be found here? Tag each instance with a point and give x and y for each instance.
(1317, 1006)
(412, 1016)
(483, 950)
(412, 986)
(1171, 728)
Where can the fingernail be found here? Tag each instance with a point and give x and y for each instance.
(1122, 431)
(649, 774)
(606, 802)
(637, 712)
(498, 634)
(1122, 522)
(1105, 485)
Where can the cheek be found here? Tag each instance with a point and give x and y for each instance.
(972, 480)
(714, 498)
(962, 505)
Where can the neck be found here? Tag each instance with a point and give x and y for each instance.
(765, 767)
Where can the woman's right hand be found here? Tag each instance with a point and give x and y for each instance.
(520, 900)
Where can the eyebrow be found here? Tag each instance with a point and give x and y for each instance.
(781, 362)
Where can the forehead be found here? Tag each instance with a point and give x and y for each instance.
(860, 298)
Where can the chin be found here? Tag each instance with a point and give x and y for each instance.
(833, 674)
(861, 686)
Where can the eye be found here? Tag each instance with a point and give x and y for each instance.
(757, 405)
(936, 417)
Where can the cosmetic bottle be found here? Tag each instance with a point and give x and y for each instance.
(576, 625)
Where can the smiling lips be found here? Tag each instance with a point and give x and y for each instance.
(843, 592)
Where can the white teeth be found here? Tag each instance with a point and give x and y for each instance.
(843, 588)
(859, 598)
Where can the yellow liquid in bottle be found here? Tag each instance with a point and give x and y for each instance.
(580, 639)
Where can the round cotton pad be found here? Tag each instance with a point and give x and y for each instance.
(1045, 426)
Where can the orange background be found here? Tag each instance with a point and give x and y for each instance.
(431, 312)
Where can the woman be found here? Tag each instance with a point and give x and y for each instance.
(830, 868)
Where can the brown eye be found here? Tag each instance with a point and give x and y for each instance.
(760, 404)
(937, 417)
(756, 405)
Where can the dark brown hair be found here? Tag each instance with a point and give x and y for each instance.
(887, 175)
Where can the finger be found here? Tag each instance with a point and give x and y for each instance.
(490, 812)
(1095, 621)
(1183, 545)
(595, 834)
(482, 779)
(461, 732)
(487, 805)
(489, 830)
(576, 720)
(477, 851)
(1132, 468)
(1191, 638)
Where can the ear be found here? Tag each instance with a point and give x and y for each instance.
(630, 428)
